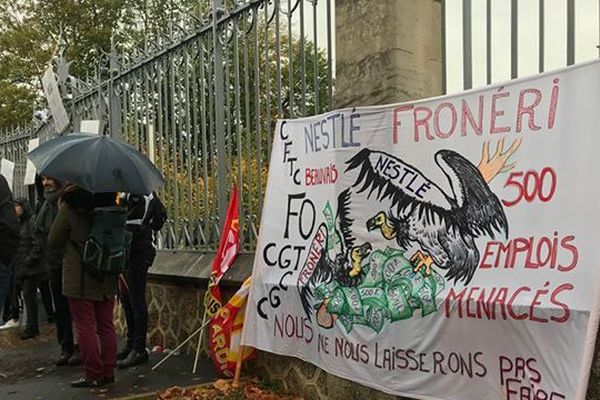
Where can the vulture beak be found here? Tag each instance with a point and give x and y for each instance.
(365, 249)
(371, 224)
(376, 221)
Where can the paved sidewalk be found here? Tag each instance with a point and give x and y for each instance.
(27, 372)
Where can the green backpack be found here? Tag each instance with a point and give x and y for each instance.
(106, 249)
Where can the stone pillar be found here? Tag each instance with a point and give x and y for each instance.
(387, 51)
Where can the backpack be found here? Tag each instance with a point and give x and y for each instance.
(157, 214)
(106, 249)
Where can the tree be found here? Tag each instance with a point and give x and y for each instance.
(253, 103)
(267, 75)
(187, 152)
(29, 32)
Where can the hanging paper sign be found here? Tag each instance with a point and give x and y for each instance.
(59, 113)
(30, 169)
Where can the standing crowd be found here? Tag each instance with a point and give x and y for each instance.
(80, 251)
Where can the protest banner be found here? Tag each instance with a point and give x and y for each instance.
(57, 108)
(7, 169)
(438, 249)
(30, 169)
(90, 126)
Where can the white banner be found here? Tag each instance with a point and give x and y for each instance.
(441, 249)
(7, 169)
(151, 156)
(30, 169)
(59, 114)
(90, 126)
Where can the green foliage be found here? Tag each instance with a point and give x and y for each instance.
(263, 80)
(16, 104)
(29, 34)
(266, 76)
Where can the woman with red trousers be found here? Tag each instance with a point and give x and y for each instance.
(91, 299)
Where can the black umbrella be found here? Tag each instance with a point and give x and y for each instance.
(97, 163)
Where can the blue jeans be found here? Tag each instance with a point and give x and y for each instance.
(5, 282)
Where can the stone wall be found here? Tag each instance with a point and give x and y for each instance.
(301, 378)
(176, 311)
(175, 295)
(387, 51)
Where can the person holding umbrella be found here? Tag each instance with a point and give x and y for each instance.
(91, 298)
(97, 167)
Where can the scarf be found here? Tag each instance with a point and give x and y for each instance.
(47, 214)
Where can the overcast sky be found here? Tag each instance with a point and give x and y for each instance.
(586, 36)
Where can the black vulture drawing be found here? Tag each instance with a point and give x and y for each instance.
(345, 268)
(444, 225)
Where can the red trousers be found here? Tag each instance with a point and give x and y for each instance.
(96, 335)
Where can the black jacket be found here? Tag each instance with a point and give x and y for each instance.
(146, 215)
(43, 222)
(29, 260)
(9, 227)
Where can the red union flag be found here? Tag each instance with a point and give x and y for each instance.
(230, 239)
(226, 254)
(226, 330)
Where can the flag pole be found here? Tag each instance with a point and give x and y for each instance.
(241, 350)
(231, 222)
(200, 337)
(238, 367)
(227, 242)
(181, 345)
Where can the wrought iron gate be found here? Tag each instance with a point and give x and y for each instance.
(202, 104)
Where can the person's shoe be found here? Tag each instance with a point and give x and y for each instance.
(107, 380)
(85, 383)
(29, 334)
(63, 359)
(10, 324)
(134, 358)
(75, 359)
(123, 353)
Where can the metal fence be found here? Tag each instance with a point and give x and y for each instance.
(202, 104)
(14, 145)
(202, 101)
